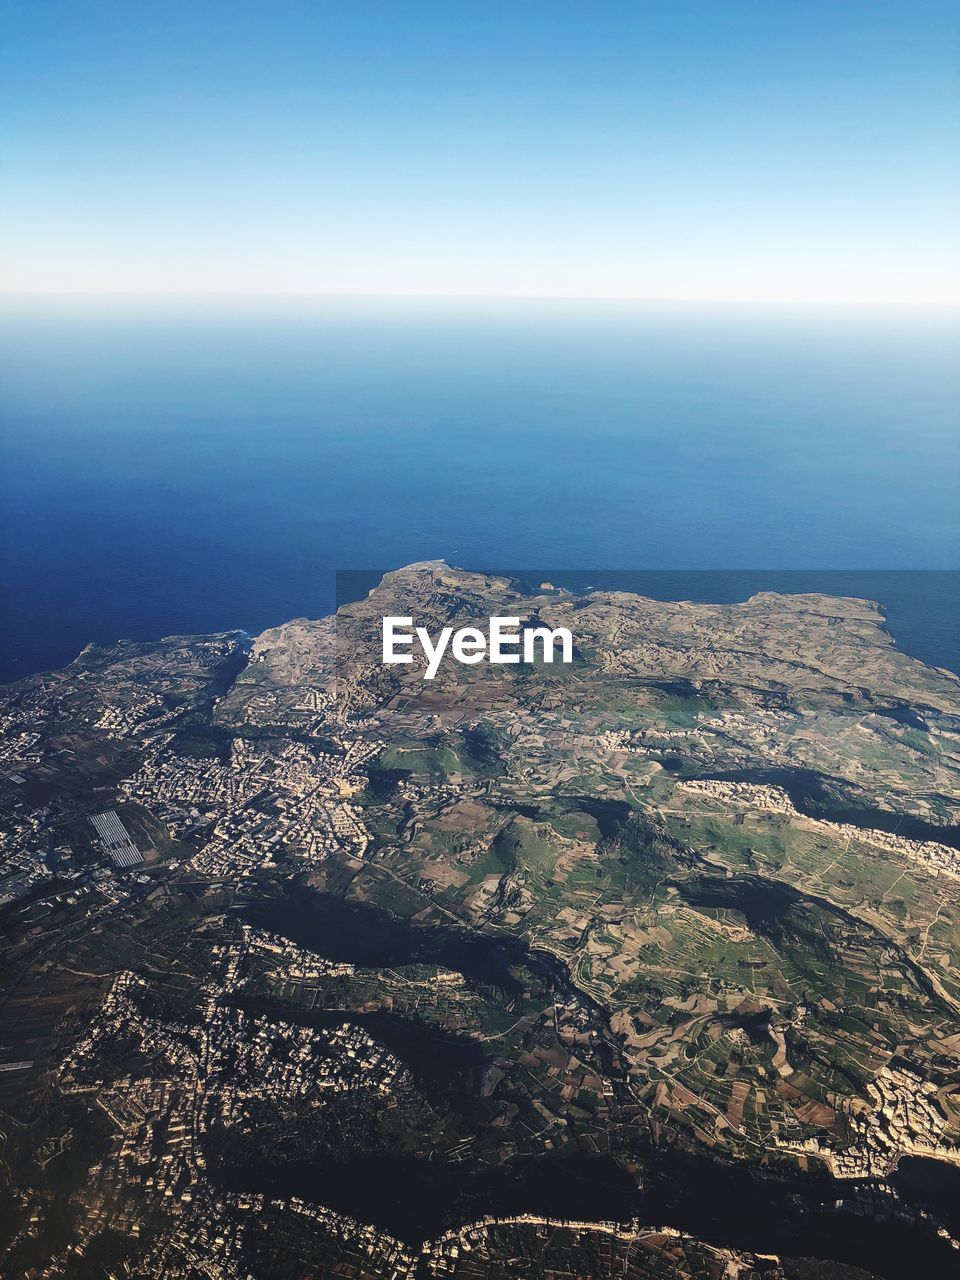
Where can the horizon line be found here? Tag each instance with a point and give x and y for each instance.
(307, 295)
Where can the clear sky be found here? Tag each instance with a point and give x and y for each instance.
(741, 149)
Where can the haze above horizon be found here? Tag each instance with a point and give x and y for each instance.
(658, 152)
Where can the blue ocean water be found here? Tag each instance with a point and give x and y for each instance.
(188, 467)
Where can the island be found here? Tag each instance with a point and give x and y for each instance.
(645, 964)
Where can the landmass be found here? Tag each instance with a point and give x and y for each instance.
(644, 966)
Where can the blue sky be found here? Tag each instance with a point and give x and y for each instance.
(720, 149)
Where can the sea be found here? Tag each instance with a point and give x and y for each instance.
(181, 466)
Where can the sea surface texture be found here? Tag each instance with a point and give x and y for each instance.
(172, 468)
